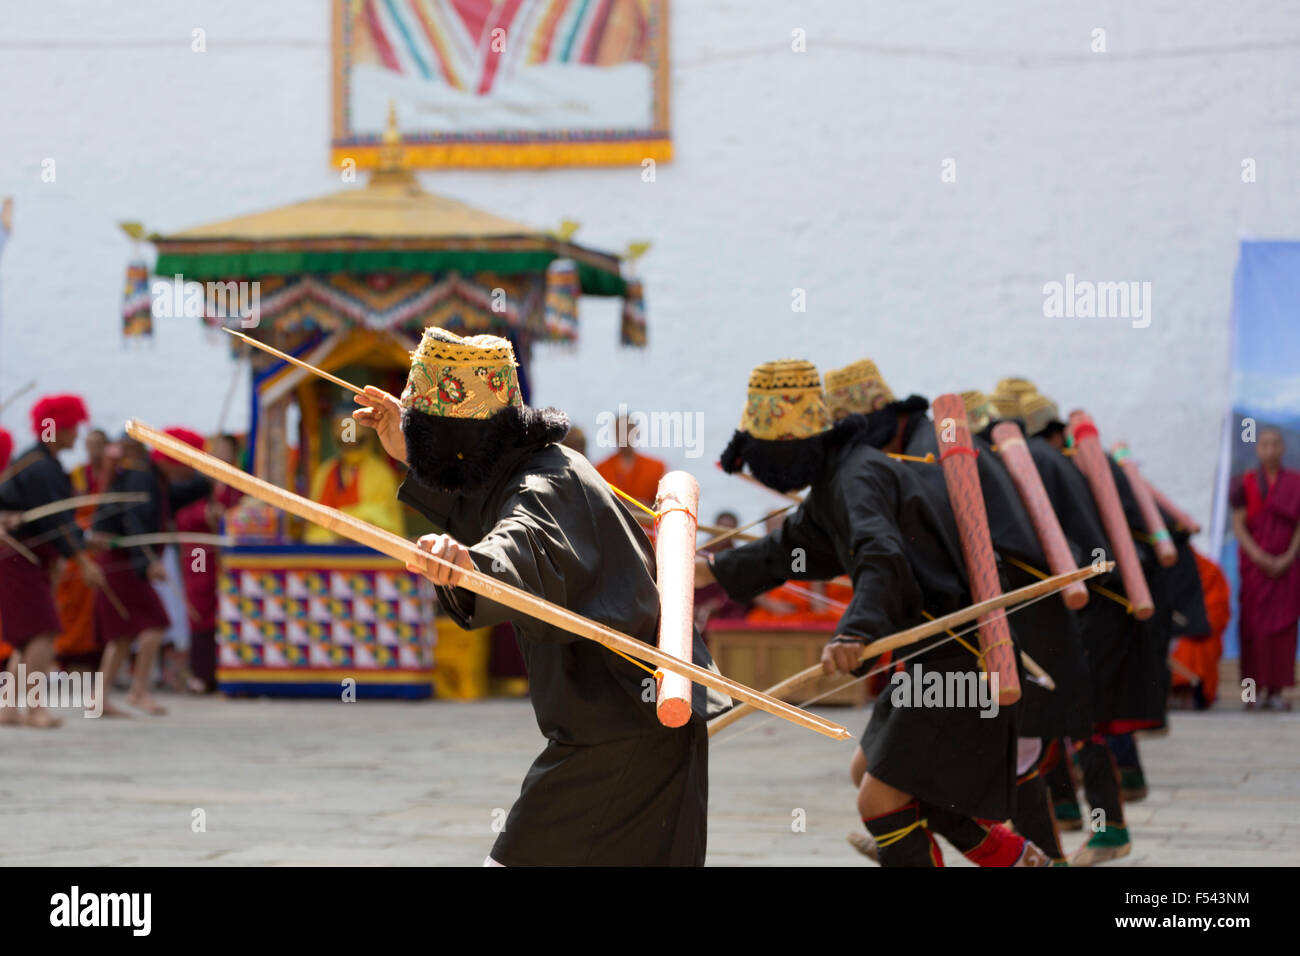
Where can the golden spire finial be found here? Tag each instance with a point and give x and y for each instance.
(391, 154)
(566, 229)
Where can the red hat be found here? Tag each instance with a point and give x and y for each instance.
(66, 411)
(190, 437)
(6, 448)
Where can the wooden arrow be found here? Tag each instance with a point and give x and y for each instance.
(919, 633)
(481, 584)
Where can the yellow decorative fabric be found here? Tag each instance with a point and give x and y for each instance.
(455, 377)
(785, 402)
(856, 389)
(373, 486)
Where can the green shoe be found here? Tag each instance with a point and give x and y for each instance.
(1132, 784)
(1104, 846)
(1116, 834)
(1068, 816)
(1092, 856)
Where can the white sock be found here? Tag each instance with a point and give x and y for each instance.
(1027, 751)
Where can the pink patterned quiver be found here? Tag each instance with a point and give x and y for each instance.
(960, 474)
(1091, 460)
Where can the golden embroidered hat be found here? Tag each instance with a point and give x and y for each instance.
(1017, 386)
(857, 388)
(785, 402)
(455, 377)
(1009, 394)
(1037, 412)
(1004, 404)
(979, 411)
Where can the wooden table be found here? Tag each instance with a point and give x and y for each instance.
(763, 653)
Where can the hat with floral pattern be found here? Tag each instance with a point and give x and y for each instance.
(455, 377)
(785, 402)
(856, 389)
(979, 410)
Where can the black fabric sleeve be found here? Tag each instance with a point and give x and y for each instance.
(132, 519)
(1133, 515)
(187, 491)
(44, 483)
(519, 551)
(797, 551)
(885, 592)
(1072, 501)
(67, 539)
(435, 505)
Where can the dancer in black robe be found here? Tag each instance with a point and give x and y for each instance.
(613, 786)
(27, 607)
(1098, 621)
(1044, 629)
(949, 767)
(1179, 603)
(1126, 657)
(129, 612)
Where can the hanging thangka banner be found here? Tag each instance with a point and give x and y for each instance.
(502, 82)
(1265, 390)
(137, 302)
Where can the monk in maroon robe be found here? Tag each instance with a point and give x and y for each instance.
(1266, 521)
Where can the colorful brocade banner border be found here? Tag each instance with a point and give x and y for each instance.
(606, 147)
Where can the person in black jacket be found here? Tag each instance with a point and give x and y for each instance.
(947, 765)
(613, 787)
(128, 611)
(28, 614)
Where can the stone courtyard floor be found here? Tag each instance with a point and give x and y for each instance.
(378, 783)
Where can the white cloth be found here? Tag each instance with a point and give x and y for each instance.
(4, 237)
(172, 594)
(488, 861)
(1027, 752)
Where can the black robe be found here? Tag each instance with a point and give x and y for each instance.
(1126, 657)
(150, 516)
(1187, 613)
(1178, 597)
(1046, 629)
(1139, 690)
(40, 483)
(1119, 662)
(613, 786)
(872, 518)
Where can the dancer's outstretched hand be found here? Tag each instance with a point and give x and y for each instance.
(383, 413)
(449, 549)
(843, 654)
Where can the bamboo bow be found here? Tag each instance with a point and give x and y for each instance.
(405, 551)
(81, 501)
(919, 633)
(171, 537)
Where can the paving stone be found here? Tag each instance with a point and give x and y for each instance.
(376, 783)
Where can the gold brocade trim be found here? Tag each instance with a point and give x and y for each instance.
(512, 155)
(783, 375)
